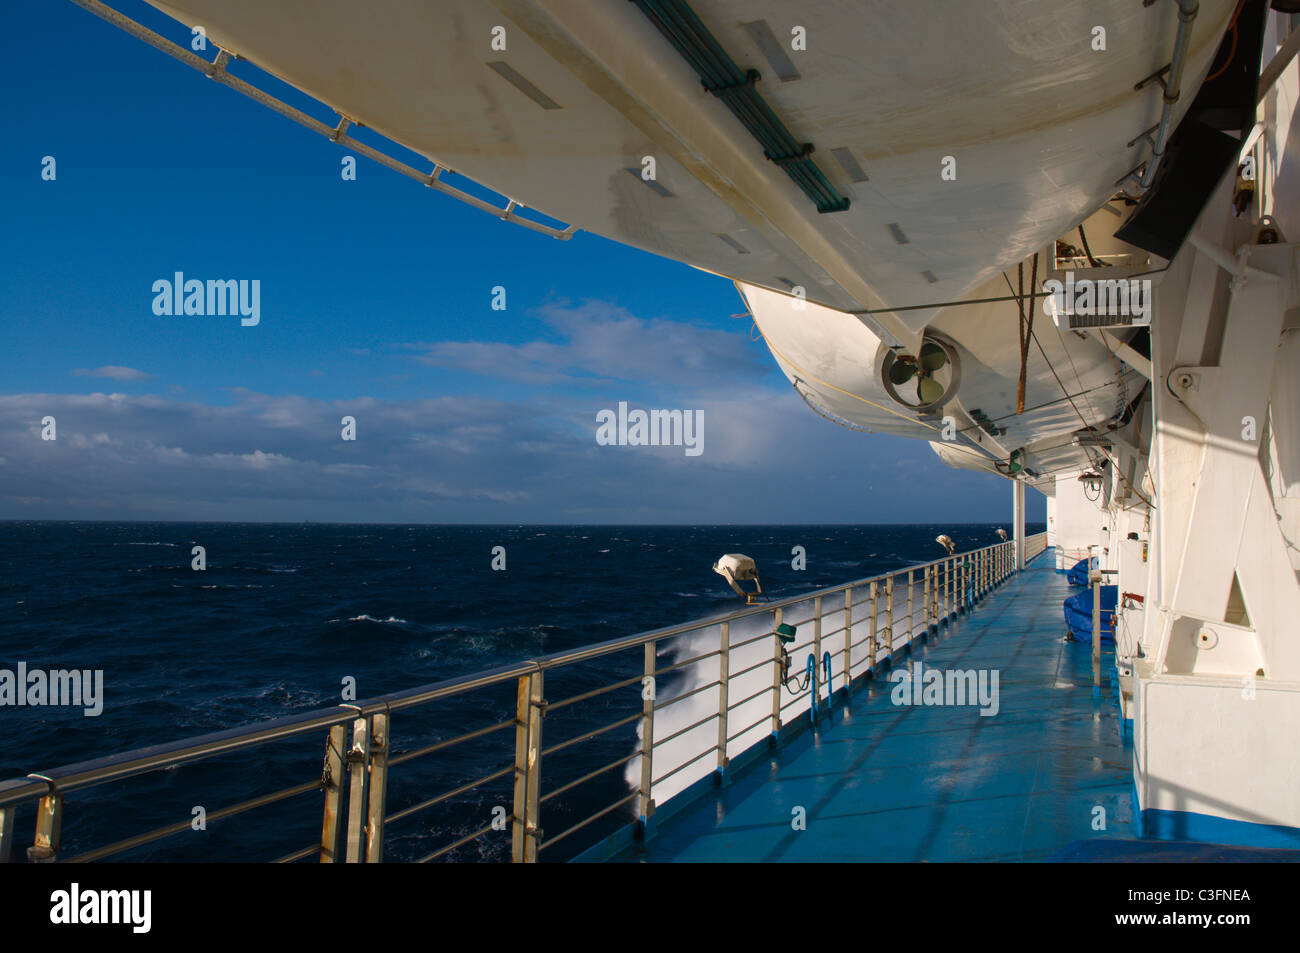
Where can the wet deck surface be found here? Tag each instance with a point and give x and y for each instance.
(886, 782)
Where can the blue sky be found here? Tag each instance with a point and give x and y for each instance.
(375, 302)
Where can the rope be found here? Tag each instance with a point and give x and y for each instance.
(1024, 327)
(1232, 52)
(1088, 251)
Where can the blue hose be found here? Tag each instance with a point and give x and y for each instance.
(816, 707)
(811, 670)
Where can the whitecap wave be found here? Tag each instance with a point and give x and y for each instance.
(368, 618)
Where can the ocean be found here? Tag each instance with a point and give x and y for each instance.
(283, 614)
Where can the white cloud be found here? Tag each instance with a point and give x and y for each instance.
(596, 344)
(453, 459)
(113, 372)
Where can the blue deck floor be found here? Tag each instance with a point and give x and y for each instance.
(880, 782)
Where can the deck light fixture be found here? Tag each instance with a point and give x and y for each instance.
(735, 567)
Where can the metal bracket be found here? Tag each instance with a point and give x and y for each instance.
(216, 70)
(1157, 77)
(1143, 136)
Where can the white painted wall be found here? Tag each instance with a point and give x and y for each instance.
(1076, 521)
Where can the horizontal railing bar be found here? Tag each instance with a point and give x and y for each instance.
(798, 622)
(298, 855)
(712, 716)
(551, 706)
(800, 646)
(581, 824)
(711, 749)
(456, 843)
(185, 825)
(588, 776)
(793, 701)
(758, 638)
(591, 734)
(421, 752)
(635, 641)
(414, 808)
(694, 691)
(397, 701)
(749, 668)
(141, 761)
(690, 661)
(18, 790)
(749, 728)
(749, 698)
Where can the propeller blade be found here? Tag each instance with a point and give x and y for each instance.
(933, 357)
(900, 372)
(928, 390)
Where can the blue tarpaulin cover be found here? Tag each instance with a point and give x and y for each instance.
(1078, 613)
(1078, 575)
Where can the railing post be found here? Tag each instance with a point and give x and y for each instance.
(646, 801)
(776, 675)
(950, 586)
(872, 645)
(889, 613)
(1096, 633)
(817, 642)
(965, 584)
(332, 779)
(724, 677)
(934, 594)
(942, 597)
(49, 825)
(358, 758)
(525, 831)
(7, 833)
(911, 620)
(925, 599)
(848, 641)
(378, 796)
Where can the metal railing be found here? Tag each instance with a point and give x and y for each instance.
(720, 673)
(218, 70)
(1035, 545)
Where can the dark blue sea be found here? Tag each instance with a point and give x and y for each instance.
(284, 613)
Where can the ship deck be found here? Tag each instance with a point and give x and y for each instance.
(880, 782)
